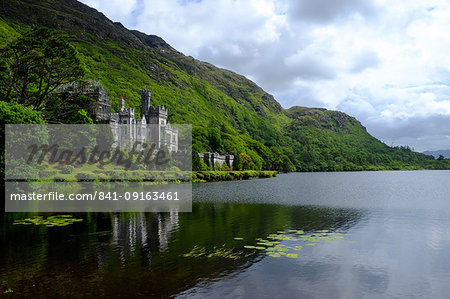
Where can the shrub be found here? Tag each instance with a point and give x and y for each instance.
(67, 169)
(48, 173)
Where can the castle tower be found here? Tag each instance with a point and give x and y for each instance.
(121, 104)
(145, 104)
(158, 122)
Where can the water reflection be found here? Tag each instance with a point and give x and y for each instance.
(149, 248)
(402, 249)
(147, 230)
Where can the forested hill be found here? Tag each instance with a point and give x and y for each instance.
(229, 113)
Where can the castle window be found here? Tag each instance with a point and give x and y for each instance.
(124, 122)
(162, 122)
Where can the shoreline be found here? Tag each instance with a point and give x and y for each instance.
(234, 175)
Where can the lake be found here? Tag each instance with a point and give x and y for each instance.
(303, 235)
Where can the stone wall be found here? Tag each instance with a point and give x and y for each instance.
(211, 159)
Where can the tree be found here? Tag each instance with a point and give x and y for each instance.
(13, 113)
(35, 65)
(68, 108)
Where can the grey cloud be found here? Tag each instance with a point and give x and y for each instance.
(303, 96)
(266, 63)
(323, 11)
(365, 60)
(309, 67)
(357, 106)
(422, 133)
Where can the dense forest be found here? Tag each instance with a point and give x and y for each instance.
(48, 43)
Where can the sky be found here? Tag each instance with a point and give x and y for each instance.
(387, 63)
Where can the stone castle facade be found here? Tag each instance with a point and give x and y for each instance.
(153, 127)
(212, 159)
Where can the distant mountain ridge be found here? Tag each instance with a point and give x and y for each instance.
(229, 113)
(436, 154)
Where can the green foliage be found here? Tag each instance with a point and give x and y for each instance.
(213, 176)
(14, 113)
(36, 64)
(68, 108)
(67, 169)
(50, 221)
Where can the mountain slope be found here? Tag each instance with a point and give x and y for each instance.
(229, 112)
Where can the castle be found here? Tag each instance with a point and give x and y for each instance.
(153, 127)
(213, 159)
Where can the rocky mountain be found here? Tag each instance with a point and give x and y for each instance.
(229, 113)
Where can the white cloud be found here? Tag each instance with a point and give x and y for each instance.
(384, 62)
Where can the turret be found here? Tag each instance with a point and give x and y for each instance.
(145, 104)
(121, 104)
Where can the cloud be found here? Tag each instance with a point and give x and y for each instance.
(364, 60)
(116, 10)
(419, 132)
(384, 62)
(323, 11)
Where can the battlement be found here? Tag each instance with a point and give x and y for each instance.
(158, 110)
(127, 112)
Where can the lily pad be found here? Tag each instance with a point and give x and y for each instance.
(51, 221)
(265, 243)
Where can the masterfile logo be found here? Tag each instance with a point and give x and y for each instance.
(78, 168)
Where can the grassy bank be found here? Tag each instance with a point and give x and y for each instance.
(111, 172)
(214, 176)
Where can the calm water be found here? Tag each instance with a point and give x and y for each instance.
(395, 228)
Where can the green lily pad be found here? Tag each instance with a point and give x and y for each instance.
(311, 244)
(292, 255)
(274, 254)
(281, 249)
(237, 238)
(51, 221)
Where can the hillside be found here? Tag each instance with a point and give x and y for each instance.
(229, 112)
